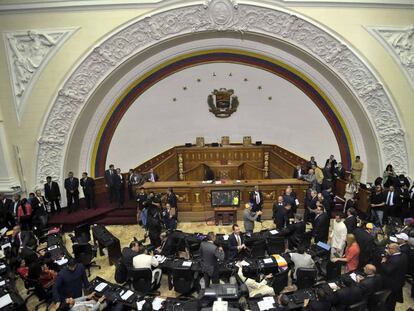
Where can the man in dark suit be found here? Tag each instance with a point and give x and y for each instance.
(5, 203)
(118, 184)
(141, 200)
(72, 192)
(128, 253)
(392, 203)
(298, 172)
(236, 243)
(339, 172)
(256, 199)
(311, 163)
(320, 230)
(310, 205)
(6, 218)
(52, 194)
(88, 187)
(296, 232)
(167, 247)
(393, 269)
(210, 255)
(350, 220)
(366, 243)
(152, 176)
(109, 182)
(347, 295)
(290, 197)
(370, 282)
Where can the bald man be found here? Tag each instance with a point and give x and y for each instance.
(393, 269)
(371, 282)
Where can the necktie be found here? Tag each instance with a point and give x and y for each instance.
(152, 177)
(238, 240)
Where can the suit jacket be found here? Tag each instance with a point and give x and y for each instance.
(172, 199)
(52, 193)
(88, 186)
(371, 284)
(296, 173)
(118, 181)
(320, 229)
(210, 254)
(249, 218)
(282, 218)
(38, 208)
(233, 245)
(253, 201)
(393, 271)
(366, 245)
(156, 177)
(127, 255)
(297, 232)
(109, 178)
(72, 185)
(350, 223)
(339, 172)
(168, 247)
(347, 296)
(141, 198)
(395, 198)
(6, 204)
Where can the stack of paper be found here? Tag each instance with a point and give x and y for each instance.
(5, 301)
(266, 303)
(267, 260)
(101, 286)
(157, 303)
(187, 263)
(274, 231)
(128, 294)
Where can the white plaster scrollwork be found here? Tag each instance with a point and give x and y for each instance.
(27, 53)
(174, 22)
(400, 42)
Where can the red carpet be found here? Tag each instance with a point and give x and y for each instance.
(105, 213)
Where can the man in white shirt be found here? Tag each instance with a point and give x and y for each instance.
(256, 288)
(338, 236)
(143, 261)
(301, 259)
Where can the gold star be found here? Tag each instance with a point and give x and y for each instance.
(198, 80)
(184, 88)
(174, 99)
(259, 87)
(245, 80)
(269, 98)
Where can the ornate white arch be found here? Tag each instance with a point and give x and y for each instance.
(218, 15)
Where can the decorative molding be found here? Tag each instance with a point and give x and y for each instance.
(176, 21)
(22, 6)
(399, 41)
(28, 52)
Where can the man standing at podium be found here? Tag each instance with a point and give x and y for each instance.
(256, 199)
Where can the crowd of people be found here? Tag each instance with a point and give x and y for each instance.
(374, 244)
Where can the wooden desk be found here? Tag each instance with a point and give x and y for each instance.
(194, 197)
(225, 215)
